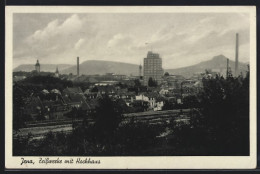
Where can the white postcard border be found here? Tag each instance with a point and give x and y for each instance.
(156, 162)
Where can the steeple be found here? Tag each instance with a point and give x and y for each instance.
(57, 71)
(37, 66)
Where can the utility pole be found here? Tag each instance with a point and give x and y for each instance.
(227, 75)
(237, 52)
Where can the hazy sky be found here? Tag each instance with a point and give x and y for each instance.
(181, 39)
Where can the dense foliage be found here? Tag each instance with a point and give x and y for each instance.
(221, 125)
(152, 82)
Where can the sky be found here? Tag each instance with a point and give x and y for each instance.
(181, 39)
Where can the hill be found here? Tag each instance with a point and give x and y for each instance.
(44, 67)
(217, 64)
(102, 67)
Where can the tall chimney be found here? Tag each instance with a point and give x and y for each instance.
(78, 66)
(227, 68)
(237, 47)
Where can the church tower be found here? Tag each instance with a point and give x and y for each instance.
(57, 72)
(37, 66)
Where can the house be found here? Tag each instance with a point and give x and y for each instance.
(119, 76)
(54, 109)
(55, 91)
(128, 97)
(174, 80)
(159, 103)
(150, 98)
(54, 105)
(72, 90)
(164, 92)
(141, 97)
(94, 104)
(106, 89)
(33, 107)
(18, 78)
(158, 106)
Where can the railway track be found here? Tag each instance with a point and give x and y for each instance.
(39, 129)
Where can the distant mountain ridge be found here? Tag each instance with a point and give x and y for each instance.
(91, 67)
(102, 67)
(44, 67)
(217, 63)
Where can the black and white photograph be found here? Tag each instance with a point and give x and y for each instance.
(93, 83)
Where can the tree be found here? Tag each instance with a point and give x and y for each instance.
(137, 83)
(220, 125)
(95, 89)
(108, 116)
(225, 114)
(166, 74)
(19, 99)
(190, 102)
(168, 105)
(152, 83)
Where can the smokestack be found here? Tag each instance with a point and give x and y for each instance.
(237, 47)
(78, 66)
(227, 68)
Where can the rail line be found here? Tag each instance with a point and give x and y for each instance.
(38, 129)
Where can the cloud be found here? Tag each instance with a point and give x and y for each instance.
(71, 25)
(46, 33)
(55, 37)
(79, 43)
(180, 39)
(120, 40)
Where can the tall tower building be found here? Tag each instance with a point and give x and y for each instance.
(37, 66)
(78, 66)
(153, 68)
(237, 51)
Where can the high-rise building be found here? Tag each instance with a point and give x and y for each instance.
(37, 66)
(153, 68)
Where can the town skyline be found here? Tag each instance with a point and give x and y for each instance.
(67, 36)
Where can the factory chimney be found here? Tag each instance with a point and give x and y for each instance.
(78, 66)
(237, 51)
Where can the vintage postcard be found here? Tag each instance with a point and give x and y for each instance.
(116, 87)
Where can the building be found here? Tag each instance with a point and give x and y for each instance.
(37, 66)
(150, 98)
(174, 81)
(72, 90)
(153, 68)
(18, 78)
